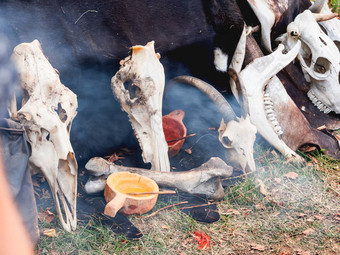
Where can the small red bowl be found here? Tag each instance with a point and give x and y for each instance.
(174, 129)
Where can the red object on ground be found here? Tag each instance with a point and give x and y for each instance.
(173, 129)
(202, 239)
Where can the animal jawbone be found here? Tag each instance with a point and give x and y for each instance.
(317, 103)
(271, 115)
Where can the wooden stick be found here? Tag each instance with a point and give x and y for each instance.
(151, 193)
(164, 208)
(184, 137)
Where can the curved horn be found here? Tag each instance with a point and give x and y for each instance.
(222, 104)
(240, 90)
(317, 6)
(324, 16)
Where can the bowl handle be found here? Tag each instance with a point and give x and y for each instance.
(115, 205)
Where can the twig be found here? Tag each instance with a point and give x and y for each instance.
(164, 208)
(236, 177)
(84, 14)
(184, 137)
(151, 193)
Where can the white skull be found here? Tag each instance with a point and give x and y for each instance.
(238, 137)
(319, 58)
(143, 75)
(47, 113)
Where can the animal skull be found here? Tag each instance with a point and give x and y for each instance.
(238, 137)
(144, 75)
(255, 77)
(319, 58)
(48, 108)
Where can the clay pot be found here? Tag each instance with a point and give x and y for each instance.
(116, 189)
(173, 129)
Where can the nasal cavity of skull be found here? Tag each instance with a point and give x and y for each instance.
(134, 90)
(322, 65)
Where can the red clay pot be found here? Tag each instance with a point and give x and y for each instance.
(173, 129)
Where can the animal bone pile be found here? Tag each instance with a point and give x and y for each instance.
(267, 87)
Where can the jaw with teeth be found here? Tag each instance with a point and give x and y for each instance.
(259, 81)
(271, 115)
(318, 103)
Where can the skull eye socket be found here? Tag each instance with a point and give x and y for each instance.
(226, 141)
(322, 66)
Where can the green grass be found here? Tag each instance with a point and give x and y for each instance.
(335, 5)
(275, 220)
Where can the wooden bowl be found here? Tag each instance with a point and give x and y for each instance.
(173, 129)
(116, 189)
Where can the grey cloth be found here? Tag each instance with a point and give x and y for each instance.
(15, 149)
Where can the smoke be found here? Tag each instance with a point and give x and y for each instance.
(100, 126)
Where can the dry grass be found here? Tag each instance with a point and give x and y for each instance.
(267, 213)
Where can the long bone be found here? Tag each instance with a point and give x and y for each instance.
(203, 180)
(48, 108)
(319, 59)
(143, 74)
(237, 135)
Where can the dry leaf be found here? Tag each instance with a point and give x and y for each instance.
(46, 216)
(301, 215)
(291, 175)
(277, 180)
(189, 151)
(232, 212)
(318, 217)
(274, 153)
(308, 148)
(257, 247)
(308, 231)
(260, 207)
(301, 252)
(263, 188)
(49, 232)
(202, 239)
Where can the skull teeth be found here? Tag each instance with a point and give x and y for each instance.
(317, 103)
(271, 116)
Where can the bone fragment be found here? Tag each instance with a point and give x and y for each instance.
(143, 74)
(48, 108)
(203, 180)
